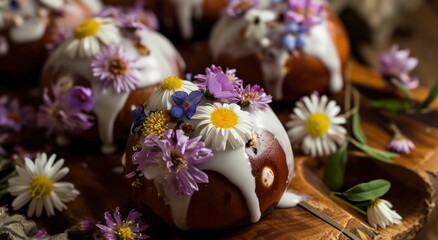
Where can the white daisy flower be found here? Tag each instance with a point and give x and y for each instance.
(315, 123)
(87, 37)
(161, 99)
(223, 126)
(379, 213)
(37, 183)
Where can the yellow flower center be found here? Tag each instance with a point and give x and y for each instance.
(117, 67)
(224, 118)
(41, 187)
(172, 83)
(157, 123)
(124, 233)
(318, 124)
(87, 29)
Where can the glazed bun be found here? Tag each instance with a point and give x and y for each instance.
(285, 50)
(29, 27)
(114, 62)
(211, 155)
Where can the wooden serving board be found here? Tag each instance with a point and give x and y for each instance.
(414, 180)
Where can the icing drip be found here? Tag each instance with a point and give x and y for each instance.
(179, 205)
(109, 103)
(226, 40)
(235, 166)
(268, 121)
(274, 70)
(29, 31)
(185, 9)
(289, 200)
(321, 45)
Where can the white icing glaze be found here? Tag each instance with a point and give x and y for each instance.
(185, 10)
(321, 45)
(267, 120)
(235, 166)
(159, 64)
(225, 39)
(232, 164)
(29, 31)
(289, 200)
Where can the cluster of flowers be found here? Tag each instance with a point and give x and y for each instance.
(300, 16)
(98, 38)
(65, 109)
(213, 106)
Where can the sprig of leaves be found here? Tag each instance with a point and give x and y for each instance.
(334, 176)
(406, 104)
(368, 191)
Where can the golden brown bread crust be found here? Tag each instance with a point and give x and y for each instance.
(218, 204)
(305, 73)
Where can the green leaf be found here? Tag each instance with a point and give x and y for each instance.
(368, 191)
(402, 87)
(357, 129)
(381, 155)
(432, 95)
(335, 172)
(393, 105)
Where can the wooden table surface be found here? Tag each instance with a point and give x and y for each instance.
(414, 182)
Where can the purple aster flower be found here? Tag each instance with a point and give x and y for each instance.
(173, 157)
(254, 96)
(86, 224)
(80, 98)
(401, 144)
(116, 228)
(305, 13)
(185, 104)
(14, 116)
(397, 64)
(138, 115)
(230, 73)
(57, 116)
(218, 86)
(114, 67)
(238, 7)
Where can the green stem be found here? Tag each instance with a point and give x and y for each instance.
(10, 175)
(333, 195)
(4, 192)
